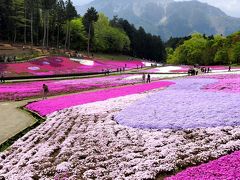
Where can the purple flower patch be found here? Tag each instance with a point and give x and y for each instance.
(183, 106)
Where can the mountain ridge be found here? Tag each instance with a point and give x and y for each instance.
(169, 18)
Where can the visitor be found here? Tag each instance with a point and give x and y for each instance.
(148, 78)
(208, 70)
(2, 78)
(143, 78)
(229, 68)
(45, 91)
(196, 72)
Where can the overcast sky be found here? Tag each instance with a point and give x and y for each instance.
(230, 7)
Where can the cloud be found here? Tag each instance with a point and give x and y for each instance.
(81, 2)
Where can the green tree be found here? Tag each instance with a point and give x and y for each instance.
(108, 38)
(221, 57)
(191, 51)
(236, 53)
(60, 18)
(79, 35)
(89, 18)
(70, 14)
(47, 5)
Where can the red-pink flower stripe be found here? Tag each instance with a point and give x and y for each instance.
(49, 106)
(63, 65)
(19, 91)
(226, 167)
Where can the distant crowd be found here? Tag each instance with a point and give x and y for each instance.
(4, 58)
(195, 70)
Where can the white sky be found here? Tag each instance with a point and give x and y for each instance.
(230, 7)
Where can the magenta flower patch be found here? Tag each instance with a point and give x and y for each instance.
(225, 83)
(227, 167)
(18, 91)
(63, 65)
(49, 106)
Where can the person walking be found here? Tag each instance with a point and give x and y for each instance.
(143, 78)
(148, 78)
(229, 68)
(45, 91)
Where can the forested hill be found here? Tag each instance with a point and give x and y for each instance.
(205, 50)
(168, 17)
(56, 23)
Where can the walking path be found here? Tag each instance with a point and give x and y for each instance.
(13, 120)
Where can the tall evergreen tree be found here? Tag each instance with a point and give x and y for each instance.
(88, 19)
(70, 14)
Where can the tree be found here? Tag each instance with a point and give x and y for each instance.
(108, 38)
(191, 51)
(60, 17)
(70, 14)
(47, 5)
(17, 16)
(88, 19)
(79, 35)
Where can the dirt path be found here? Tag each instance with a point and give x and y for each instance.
(13, 120)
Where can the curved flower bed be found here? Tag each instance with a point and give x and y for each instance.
(62, 65)
(183, 106)
(226, 167)
(55, 104)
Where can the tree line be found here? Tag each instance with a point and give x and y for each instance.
(205, 50)
(55, 23)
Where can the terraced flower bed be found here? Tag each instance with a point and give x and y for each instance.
(126, 134)
(63, 65)
(19, 91)
(49, 106)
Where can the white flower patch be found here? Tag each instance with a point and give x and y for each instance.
(155, 76)
(149, 64)
(84, 61)
(34, 68)
(168, 69)
(46, 63)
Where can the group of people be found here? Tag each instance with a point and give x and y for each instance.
(139, 67)
(195, 70)
(144, 78)
(4, 58)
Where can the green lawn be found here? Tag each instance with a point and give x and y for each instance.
(110, 56)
